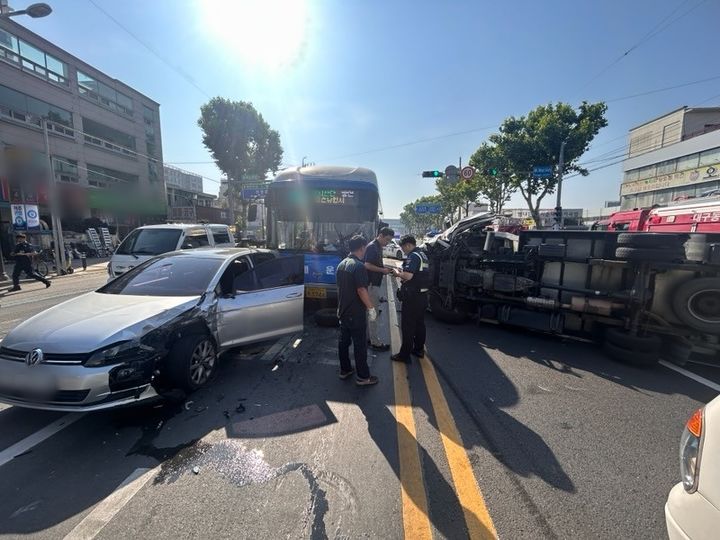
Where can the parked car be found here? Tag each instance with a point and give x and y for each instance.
(160, 326)
(692, 511)
(393, 251)
(146, 242)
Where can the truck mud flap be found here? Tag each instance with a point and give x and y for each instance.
(536, 320)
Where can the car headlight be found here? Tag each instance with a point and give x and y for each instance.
(115, 354)
(691, 450)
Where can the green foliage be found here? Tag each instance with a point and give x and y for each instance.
(492, 183)
(535, 140)
(418, 224)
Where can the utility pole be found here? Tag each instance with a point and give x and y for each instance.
(559, 221)
(60, 263)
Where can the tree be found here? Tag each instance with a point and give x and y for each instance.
(497, 187)
(242, 144)
(418, 224)
(535, 140)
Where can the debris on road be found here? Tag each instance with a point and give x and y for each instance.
(196, 470)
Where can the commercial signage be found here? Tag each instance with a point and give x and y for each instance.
(18, 217)
(678, 179)
(32, 216)
(335, 196)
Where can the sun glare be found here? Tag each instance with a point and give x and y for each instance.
(266, 33)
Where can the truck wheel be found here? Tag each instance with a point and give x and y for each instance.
(191, 362)
(442, 314)
(650, 255)
(628, 356)
(649, 240)
(649, 343)
(326, 317)
(697, 304)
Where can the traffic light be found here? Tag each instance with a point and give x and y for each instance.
(492, 172)
(432, 174)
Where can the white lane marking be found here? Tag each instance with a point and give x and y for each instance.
(395, 340)
(691, 375)
(36, 438)
(106, 509)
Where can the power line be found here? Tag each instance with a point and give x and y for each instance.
(176, 69)
(665, 89)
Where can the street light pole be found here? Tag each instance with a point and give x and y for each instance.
(59, 250)
(558, 204)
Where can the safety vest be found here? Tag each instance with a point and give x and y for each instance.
(421, 280)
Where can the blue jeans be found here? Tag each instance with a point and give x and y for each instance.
(354, 330)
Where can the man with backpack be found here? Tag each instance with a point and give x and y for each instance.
(415, 277)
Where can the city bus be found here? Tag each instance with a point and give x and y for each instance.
(314, 211)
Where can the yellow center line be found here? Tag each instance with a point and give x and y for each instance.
(477, 518)
(416, 522)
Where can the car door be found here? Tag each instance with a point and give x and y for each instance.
(266, 300)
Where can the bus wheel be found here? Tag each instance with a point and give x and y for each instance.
(326, 317)
(697, 304)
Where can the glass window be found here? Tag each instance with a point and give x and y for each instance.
(662, 197)
(12, 99)
(87, 82)
(148, 113)
(684, 192)
(196, 240)
(101, 176)
(31, 53)
(221, 236)
(53, 64)
(9, 41)
(101, 131)
(172, 275)
(65, 165)
(280, 272)
(688, 162)
(666, 167)
(710, 157)
(124, 102)
(631, 175)
(149, 242)
(646, 172)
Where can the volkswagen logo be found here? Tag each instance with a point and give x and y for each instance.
(34, 357)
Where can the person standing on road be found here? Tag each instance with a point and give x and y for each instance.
(415, 277)
(376, 270)
(354, 310)
(24, 253)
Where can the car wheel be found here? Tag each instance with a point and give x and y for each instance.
(192, 362)
(327, 317)
(697, 304)
(399, 255)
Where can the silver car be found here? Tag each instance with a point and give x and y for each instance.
(158, 327)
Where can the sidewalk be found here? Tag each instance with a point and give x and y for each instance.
(93, 265)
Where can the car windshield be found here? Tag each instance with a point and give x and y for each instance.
(149, 242)
(177, 275)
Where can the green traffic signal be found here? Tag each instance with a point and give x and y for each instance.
(432, 174)
(492, 172)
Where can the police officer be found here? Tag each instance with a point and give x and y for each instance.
(415, 277)
(23, 262)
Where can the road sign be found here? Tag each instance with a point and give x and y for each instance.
(429, 208)
(542, 171)
(249, 194)
(467, 173)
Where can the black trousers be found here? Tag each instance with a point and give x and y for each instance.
(412, 324)
(354, 330)
(20, 268)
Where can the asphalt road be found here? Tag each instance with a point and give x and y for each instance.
(499, 431)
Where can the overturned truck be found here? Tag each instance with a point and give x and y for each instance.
(644, 296)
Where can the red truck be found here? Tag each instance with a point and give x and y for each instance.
(697, 215)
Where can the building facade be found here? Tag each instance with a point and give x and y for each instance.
(674, 157)
(522, 216)
(104, 145)
(186, 200)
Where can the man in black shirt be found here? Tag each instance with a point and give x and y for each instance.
(376, 270)
(354, 309)
(23, 262)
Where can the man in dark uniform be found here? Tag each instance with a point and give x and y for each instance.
(376, 271)
(23, 262)
(415, 277)
(354, 309)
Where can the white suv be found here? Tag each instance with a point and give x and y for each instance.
(146, 242)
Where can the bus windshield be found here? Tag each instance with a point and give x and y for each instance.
(318, 236)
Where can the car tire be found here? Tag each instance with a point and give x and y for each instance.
(191, 362)
(649, 240)
(442, 314)
(631, 357)
(399, 255)
(650, 255)
(326, 317)
(697, 304)
(649, 343)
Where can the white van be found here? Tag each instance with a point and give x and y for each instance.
(146, 242)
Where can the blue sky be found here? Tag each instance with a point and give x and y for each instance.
(340, 78)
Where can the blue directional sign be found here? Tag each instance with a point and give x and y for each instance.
(428, 208)
(542, 171)
(254, 193)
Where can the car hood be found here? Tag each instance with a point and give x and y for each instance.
(95, 320)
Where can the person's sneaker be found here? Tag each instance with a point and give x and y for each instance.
(398, 358)
(372, 379)
(346, 374)
(13, 289)
(47, 284)
(419, 354)
(380, 347)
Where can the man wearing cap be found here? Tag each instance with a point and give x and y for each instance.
(23, 262)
